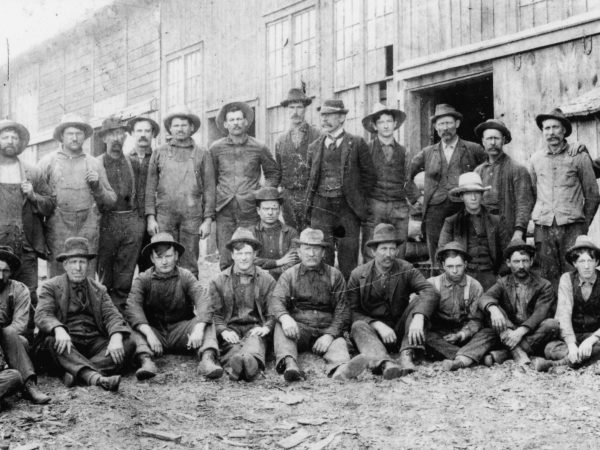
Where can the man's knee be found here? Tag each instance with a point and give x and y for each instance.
(360, 326)
(556, 350)
(9, 334)
(550, 326)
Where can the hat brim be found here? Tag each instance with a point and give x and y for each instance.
(458, 191)
(155, 127)
(521, 247)
(305, 101)
(368, 122)
(21, 131)
(569, 254)
(439, 255)
(479, 129)
(147, 250)
(454, 114)
(102, 132)
(256, 245)
(191, 117)
(375, 242)
(87, 129)
(63, 256)
(298, 241)
(13, 261)
(330, 110)
(541, 117)
(247, 110)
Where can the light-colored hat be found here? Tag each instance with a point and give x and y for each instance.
(72, 120)
(384, 232)
(369, 121)
(333, 106)
(580, 243)
(443, 109)
(20, 129)
(76, 247)
(310, 236)
(469, 182)
(162, 238)
(222, 115)
(243, 235)
(182, 112)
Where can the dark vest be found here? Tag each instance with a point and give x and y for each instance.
(330, 177)
(449, 177)
(586, 314)
(391, 175)
(478, 245)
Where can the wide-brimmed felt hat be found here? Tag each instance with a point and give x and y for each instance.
(72, 120)
(244, 235)
(310, 236)
(155, 126)
(493, 124)
(222, 115)
(369, 121)
(443, 109)
(557, 114)
(332, 106)
(162, 238)
(181, 112)
(582, 242)
(452, 246)
(76, 247)
(20, 129)
(8, 256)
(384, 232)
(518, 245)
(296, 95)
(267, 194)
(112, 123)
(469, 182)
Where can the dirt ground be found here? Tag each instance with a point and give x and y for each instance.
(500, 407)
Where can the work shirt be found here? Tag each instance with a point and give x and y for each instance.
(15, 302)
(140, 161)
(291, 154)
(490, 176)
(276, 242)
(449, 148)
(243, 295)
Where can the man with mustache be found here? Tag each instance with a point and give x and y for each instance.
(25, 200)
(142, 130)
(341, 179)
(383, 320)
(291, 153)
(519, 306)
(81, 187)
(238, 159)
(443, 163)
(121, 228)
(180, 190)
(567, 194)
(511, 195)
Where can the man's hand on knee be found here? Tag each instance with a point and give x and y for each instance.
(153, 341)
(387, 334)
(115, 349)
(322, 344)
(416, 330)
(62, 341)
(290, 327)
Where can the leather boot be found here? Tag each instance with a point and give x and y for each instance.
(495, 356)
(235, 367)
(68, 380)
(352, 369)
(544, 365)
(147, 368)
(109, 383)
(460, 362)
(209, 367)
(407, 366)
(292, 372)
(33, 393)
(391, 370)
(519, 356)
(251, 368)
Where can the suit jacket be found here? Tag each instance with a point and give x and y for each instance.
(405, 281)
(53, 306)
(430, 160)
(358, 173)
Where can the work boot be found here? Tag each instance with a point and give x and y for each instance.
(519, 356)
(109, 383)
(33, 393)
(352, 369)
(292, 372)
(460, 362)
(544, 365)
(407, 366)
(235, 367)
(209, 367)
(495, 356)
(147, 368)
(68, 380)
(251, 368)
(391, 370)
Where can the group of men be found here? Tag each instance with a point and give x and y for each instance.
(97, 219)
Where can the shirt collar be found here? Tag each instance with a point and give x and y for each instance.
(498, 161)
(381, 144)
(186, 143)
(252, 274)
(230, 141)
(527, 282)
(278, 225)
(591, 281)
(450, 283)
(164, 276)
(64, 154)
(337, 134)
(560, 150)
(137, 151)
(319, 269)
(451, 144)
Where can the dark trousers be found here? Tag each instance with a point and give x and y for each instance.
(120, 243)
(248, 345)
(174, 338)
(28, 275)
(228, 220)
(336, 355)
(433, 221)
(144, 262)
(534, 342)
(293, 208)
(185, 230)
(341, 227)
(558, 349)
(15, 349)
(475, 349)
(10, 382)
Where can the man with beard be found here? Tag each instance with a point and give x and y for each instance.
(25, 199)
(180, 191)
(142, 130)
(81, 187)
(511, 195)
(238, 160)
(443, 163)
(519, 306)
(291, 155)
(567, 194)
(121, 228)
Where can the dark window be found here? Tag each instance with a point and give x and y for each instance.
(389, 60)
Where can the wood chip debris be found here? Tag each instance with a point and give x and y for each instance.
(162, 435)
(295, 439)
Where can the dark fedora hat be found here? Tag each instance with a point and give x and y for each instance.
(311, 236)
(181, 112)
(493, 124)
(368, 122)
(267, 194)
(20, 129)
(518, 245)
(582, 242)
(296, 95)
(443, 109)
(452, 246)
(76, 247)
(384, 232)
(162, 238)
(75, 121)
(112, 123)
(244, 235)
(8, 256)
(222, 115)
(155, 127)
(332, 106)
(556, 114)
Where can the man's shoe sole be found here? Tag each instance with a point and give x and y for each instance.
(291, 375)
(142, 374)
